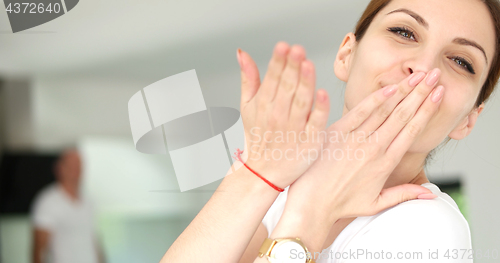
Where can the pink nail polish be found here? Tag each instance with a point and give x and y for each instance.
(304, 68)
(415, 79)
(433, 77)
(426, 196)
(238, 56)
(437, 94)
(321, 96)
(390, 90)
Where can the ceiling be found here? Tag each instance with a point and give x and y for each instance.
(146, 37)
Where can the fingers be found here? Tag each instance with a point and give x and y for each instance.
(392, 196)
(415, 127)
(355, 117)
(289, 82)
(381, 114)
(304, 96)
(405, 111)
(274, 72)
(319, 116)
(250, 79)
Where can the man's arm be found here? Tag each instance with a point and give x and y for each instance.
(41, 239)
(101, 256)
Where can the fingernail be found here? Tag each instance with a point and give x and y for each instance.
(433, 77)
(305, 69)
(390, 90)
(321, 96)
(296, 54)
(437, 94)
(238, 56)
(282, 49)
(426, 196)
(415, 79)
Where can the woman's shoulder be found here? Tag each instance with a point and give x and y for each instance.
(440, 212)
(419, 224)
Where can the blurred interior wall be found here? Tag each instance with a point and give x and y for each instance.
(18, 129)
(51, 112)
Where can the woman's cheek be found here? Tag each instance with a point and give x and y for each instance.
(386, 51)
(457, 100)
(353, 95)
(449, 113)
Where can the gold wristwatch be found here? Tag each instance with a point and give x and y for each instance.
(285, 250)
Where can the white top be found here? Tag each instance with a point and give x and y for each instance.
(70, 224)
(412, 231)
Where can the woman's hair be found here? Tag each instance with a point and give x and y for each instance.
(489, 85)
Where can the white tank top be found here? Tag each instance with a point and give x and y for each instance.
(413, 231)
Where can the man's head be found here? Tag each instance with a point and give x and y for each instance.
(68, 167)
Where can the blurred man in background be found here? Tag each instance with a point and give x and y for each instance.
(62, 220)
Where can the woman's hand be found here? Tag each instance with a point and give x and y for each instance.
(376, 133)
(226, 224)
(277, 117)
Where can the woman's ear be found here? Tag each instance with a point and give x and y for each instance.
(341, 65)
(465, 127)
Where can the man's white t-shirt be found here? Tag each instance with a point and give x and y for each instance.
(413, 231)
(70, 224)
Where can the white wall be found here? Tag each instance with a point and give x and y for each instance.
(477, 160)
(66, 108)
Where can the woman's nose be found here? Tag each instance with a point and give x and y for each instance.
(420, 62)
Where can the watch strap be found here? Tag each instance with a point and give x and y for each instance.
(268, 245)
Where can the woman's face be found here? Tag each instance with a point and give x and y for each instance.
(419, 36)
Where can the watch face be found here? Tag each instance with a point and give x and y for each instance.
(288, 252)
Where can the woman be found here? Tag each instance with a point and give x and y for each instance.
(416, 72)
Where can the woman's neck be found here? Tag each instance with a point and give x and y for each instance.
(410, 170)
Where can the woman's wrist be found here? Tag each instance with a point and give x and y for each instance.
(272, 185)
(230, 217)
(311, 228)
(242, 179)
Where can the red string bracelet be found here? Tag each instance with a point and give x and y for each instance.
(238, 153)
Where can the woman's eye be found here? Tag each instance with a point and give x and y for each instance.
(408, 34)
(403, 32)
(464, 64)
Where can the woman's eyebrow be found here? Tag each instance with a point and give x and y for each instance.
(466, 42)
(421, 21)
(417, 17)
